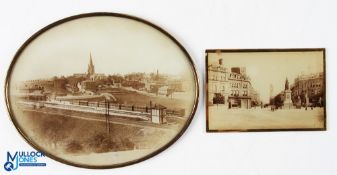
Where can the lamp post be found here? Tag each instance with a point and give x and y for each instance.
(107, 106)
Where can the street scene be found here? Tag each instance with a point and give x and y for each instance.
(265, 91)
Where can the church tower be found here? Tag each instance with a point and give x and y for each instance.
(91, 67)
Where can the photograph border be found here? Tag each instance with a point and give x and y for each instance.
(265, 50)
(97, 14)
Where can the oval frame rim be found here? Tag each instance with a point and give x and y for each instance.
(98, 14)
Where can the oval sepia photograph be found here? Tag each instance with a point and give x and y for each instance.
(101, 90)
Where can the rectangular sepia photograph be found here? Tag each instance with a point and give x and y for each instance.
(265, 90)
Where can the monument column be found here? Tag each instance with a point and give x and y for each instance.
(287, 103)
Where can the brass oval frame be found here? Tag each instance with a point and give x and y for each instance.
(97, 14)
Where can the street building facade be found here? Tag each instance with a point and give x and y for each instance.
(309, 88)
(230, 86)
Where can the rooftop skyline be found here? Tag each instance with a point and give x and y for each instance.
(91, 71)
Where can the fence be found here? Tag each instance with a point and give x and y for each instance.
(114, 106)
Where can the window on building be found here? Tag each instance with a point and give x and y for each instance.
(236, 93)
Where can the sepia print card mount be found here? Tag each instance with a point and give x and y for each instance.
(265, 90)
(101, 90)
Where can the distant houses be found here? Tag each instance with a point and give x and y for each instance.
(155, 83)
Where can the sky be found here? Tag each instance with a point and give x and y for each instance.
(117, 45)
(271, 68)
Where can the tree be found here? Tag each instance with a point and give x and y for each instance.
(218, 99)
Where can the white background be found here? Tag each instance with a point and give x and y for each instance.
(200, 25)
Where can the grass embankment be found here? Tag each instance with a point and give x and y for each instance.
(71, 135)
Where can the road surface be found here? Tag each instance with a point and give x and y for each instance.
(221, 118)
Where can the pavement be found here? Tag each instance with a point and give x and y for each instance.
(221, 118)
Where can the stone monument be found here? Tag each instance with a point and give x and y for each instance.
(287, 103)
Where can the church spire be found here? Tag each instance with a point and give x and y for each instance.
(91, 67)
(91, 60)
